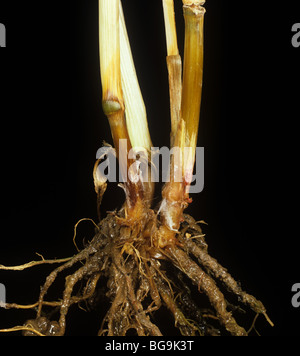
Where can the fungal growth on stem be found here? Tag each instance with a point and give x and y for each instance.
(144, 257)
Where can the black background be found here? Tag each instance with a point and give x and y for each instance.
(52, 125)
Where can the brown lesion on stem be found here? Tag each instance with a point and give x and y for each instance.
(175, 198)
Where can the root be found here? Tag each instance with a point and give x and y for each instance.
(34, 263)
(141, 277)
(51, 278)
(22, 328)
(87, 270)
(219, 272)
(207, 284)
(127, 310)
(75, 230)
(186, 327)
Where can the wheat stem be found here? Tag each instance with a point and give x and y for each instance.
(170, 26)
(192, 79)
(174, 65)
(113, 102)
(135, 111)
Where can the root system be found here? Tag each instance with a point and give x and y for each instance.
(140, 278)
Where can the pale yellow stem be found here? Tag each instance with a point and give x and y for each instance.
(135, 111)
(170, 26)
(109, 45)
